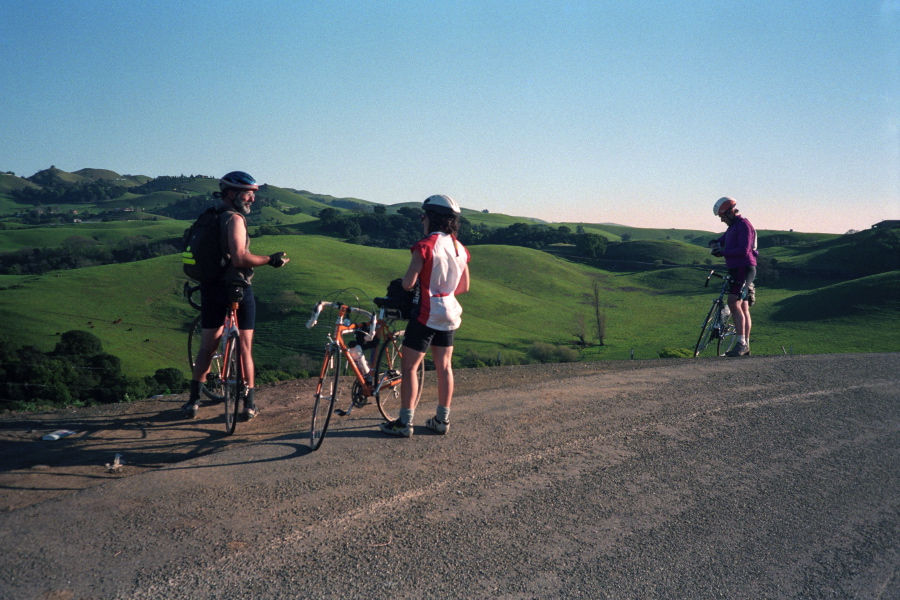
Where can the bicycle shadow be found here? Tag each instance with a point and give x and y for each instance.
(32, 469)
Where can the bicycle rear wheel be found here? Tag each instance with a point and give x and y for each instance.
(326, 394)
(233, 378)
(213, 387)
(709, 329)
(388, 377)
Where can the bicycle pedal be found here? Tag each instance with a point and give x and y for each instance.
(341, 413)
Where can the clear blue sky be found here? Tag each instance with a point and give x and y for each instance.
(638, 113)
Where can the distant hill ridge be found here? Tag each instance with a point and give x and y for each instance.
(106, 193)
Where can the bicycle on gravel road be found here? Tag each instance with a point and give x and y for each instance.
(225, 381)
(376, 332)
(718, 326)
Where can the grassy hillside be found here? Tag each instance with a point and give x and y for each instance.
(614, 232)
(847, 256)
(868, 298)
(494, 219)
(105, 174)
(106, 233)
(668, 251)
(518, 296)
(828, 297)
(11, 182)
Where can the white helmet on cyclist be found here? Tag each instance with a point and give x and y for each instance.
(441, 204)
(723, 205)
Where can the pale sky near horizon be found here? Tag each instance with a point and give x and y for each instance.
(641, 113)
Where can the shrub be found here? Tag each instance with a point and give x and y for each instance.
(272, 376)
(474, 359)
(548, 353)
(170, 379)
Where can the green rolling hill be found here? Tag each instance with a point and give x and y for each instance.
(818, 292)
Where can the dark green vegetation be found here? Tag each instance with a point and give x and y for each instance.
(77, 372)
(537, 290)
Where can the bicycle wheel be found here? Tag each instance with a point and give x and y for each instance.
(193, 346)
(213, 388)
(709, 329)
(727, 335)
(233, 378)
(388, 377)
(326, 394)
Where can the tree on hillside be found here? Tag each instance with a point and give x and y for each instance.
(580, 329)
(590, 245)
(76, 372)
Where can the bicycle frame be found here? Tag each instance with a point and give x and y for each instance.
(335, 342)
(384, 385)
(717, 326)
(231, 377)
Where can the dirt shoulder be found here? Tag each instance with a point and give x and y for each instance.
(152, 433)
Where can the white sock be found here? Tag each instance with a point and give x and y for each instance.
(740, 339)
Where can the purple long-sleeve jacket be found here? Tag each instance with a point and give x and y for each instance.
(739, 244)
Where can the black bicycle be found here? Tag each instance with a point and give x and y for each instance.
(718, 326)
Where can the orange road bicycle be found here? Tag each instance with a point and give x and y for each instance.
(381, 381)
(718, 326)
(225, 381)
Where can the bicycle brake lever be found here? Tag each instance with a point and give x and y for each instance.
(372, 326)
(315, 316)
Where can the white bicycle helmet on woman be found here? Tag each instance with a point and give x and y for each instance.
(441, 204)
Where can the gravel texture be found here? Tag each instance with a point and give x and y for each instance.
(759, 477)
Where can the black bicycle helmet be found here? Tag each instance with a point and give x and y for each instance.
(238, 180)
(441, 204)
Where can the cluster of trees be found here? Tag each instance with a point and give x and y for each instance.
(190, 207)
(89, 192)
(76, 373)
(166, 183)
(404, 228)
(79, 251)
(590, 245)
(376, 228)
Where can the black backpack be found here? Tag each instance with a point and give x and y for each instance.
(205, 255)
(399, 299)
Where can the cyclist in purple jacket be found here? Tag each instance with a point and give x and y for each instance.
(738, 247)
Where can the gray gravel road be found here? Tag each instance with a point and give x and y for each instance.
(764, 477)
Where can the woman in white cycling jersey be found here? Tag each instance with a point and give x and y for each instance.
(440, 267)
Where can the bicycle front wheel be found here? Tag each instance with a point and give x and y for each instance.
(233, 378)
(388, 378)
(727, 336)
(326, 394)
(709, 329)
(213, 387)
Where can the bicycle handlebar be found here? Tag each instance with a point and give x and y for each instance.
(315, 316)
(714, 274)
(373, 319)
(189, 291)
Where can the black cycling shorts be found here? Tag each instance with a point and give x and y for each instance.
(419, 337)
(741, 276)
(215, 304)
